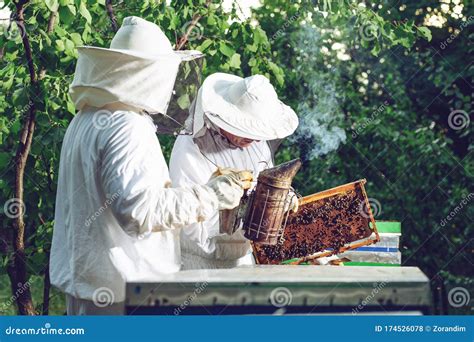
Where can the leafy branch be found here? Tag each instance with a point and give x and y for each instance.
(184, 39)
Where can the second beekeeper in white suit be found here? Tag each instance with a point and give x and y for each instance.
(232, 120)
(116, 215)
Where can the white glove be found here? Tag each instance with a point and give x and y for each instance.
(293, 201)
(229, 185)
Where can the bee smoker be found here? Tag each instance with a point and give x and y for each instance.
(267, 209)
(263, 212)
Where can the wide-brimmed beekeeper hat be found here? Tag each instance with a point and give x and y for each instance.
(246, 107)
(139, 69)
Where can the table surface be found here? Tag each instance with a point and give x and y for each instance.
(297, 274)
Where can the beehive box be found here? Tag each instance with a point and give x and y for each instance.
(328, 222)
(386, 252)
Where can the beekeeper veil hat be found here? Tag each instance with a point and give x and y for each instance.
(246, 107)
(139, 69)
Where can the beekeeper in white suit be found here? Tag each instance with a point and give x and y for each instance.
(232, 121)
(115, 213)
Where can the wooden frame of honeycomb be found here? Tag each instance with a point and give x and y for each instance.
(328, 222)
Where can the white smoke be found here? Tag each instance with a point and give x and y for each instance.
(318, 102)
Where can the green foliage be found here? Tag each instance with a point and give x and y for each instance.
(392, 95)
(231, 46)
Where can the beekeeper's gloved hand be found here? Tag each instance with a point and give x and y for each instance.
(229, 185)
(293, 202)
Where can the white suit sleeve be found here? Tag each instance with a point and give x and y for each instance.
(188, 167)
(133, 176)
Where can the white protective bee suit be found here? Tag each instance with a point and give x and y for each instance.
(242, 107)
(193, 160)
(116, 215)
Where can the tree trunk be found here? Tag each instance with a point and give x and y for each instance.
(110, 13)
(22, 291)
